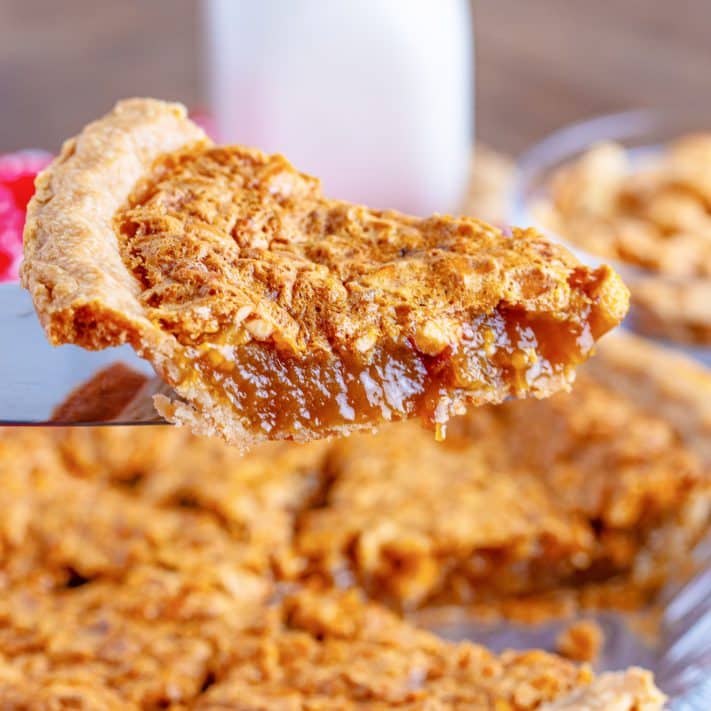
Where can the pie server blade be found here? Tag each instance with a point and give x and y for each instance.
(36, 377)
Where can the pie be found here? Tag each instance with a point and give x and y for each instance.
(256, 497)
(114, 597)
(653, 215)
(276, 313)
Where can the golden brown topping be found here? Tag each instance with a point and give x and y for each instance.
(341, 670)
(224, 240)
(116, 600)
(657, 215)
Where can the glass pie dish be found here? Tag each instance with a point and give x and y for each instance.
(671, 298)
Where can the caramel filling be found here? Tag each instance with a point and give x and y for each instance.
(281, 395)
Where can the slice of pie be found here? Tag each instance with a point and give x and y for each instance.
(277, 313)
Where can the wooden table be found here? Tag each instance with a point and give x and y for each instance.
(540, 63)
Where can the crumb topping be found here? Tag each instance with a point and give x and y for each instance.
(231, 244)
(112, 599)
(581, 641)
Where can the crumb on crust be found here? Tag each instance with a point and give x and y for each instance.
(581, 641)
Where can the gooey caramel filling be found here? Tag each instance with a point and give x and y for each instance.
(280, 395)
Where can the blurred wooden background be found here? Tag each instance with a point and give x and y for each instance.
(539, 64)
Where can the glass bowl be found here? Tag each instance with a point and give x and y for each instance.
(643, 134)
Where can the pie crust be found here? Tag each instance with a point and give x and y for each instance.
(276, 313)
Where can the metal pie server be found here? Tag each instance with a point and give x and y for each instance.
(37, 377)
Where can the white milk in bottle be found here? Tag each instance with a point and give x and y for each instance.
(373, 96)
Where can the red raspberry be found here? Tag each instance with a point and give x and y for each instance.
(17, 175)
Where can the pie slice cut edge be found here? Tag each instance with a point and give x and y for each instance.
(276, 313)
